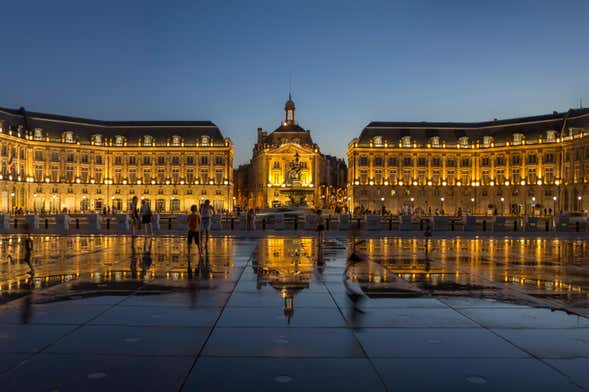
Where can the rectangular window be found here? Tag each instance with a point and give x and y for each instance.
(407, 161)
(54, 173)
(38, 173)
(118, 160)
(175, 161)
(84, 174)
(451, 162)
(161, 175)
(84, 158)
(485, 177)
(176, 175)
(378, 176)
(132, 160)
(69, 173)
(500, 161)
(515, 176)
(54, 157)
(69, 158)
(407, 177)
(219, 161)
(421, 161)
(204, 160)
(450, 177)
(532, 178)
(392, 176)
(532, 159)
(465, 177)
(146, 175)
(218, 176)
(516, 160)
(147, 160)
(98, 174)
(436, 177)
(363, 161)
(190, 176)
(378, 161)
(204, 176)
(485, 161)
(39, 156)
(393, 161)
(500, 176)
(98, 159)
(118, 176)
(161, 161)
(190, 161)
(436, 162)
(132, 176)
(465, 162)
(363, 176)
(421, 177)
(548, 158)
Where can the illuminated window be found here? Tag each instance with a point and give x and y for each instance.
(377, 141)
(551, 136)
(38, 134)
(147, 140)
(84, 174)
(204, 141)
(176, 141)
(406, 141)
(463, 141)
(119, 141)
(435, 141)
(68, 137)
(97, 139)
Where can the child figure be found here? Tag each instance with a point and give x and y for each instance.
(193, 227)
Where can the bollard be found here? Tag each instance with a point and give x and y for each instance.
(232, 223)
(421, 225)
(515, 224)
(484, 225)
(547, 225)
(107, 223)
(452, 226)
(15, 223)
(264, 224)
(390, 224)
(169, 223)
(77, 223)
(46, 223)
(577, 226)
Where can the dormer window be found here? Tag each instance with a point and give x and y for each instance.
(435, 141)
(38, 134)
(463, 141)
(518, 138)
(204, 141)
(487, 141)
(377, 141)
(68, 137)
(176, 141)
(551, 136)
(406, 141)
(97, 139)
(119, 141)
(147, 140)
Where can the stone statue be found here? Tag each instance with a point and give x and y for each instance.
(294, 171)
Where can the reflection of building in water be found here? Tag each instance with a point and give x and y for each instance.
(532, 264)
(285, 264)
(101, 259)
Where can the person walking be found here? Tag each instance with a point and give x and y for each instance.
(146, 217)
(134, 216)
(206, 212)
(194, 228)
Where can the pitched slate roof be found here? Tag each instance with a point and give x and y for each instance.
(54, 125)
(450, 132)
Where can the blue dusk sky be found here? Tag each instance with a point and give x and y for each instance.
(351, 62)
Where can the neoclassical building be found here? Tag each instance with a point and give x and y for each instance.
(51, 163)
(520, 165)
(288, 169)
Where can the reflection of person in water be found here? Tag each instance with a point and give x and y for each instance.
(133, 266)
(146, 260)
(353, 292)
(427, 233)
(27, 305)
(203, 269)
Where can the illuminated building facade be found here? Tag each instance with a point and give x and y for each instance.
(526, 165)
(288, 169)
(51, 163)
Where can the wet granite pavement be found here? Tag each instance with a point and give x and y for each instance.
(282, 313)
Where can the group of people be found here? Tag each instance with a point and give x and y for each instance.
(140, 216)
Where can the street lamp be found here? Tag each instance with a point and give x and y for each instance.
(472, 201)
(442, 205)
(533, 205)
(502, 205)
(579, 198)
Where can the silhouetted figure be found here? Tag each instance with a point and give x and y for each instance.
(427, 233)
(133, 266)
(194, 228)
(146, 260)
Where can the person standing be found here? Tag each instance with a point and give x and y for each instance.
(194, 227)
(206, 212)
(146, 217)
(134, 215)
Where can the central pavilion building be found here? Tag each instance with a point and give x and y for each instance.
(288, 169)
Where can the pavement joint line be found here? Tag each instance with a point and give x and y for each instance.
(532, 355)
(213, 327)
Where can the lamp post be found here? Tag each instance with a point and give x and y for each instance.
(533, 206)
(502, 205)
(472, 201)
(442, 205)
(579, 198)
(554, 198)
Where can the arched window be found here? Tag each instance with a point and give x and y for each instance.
(176, 140)
(204, 141)
(518, 138)
(406, 141)
(435, 141)
(119, 140)
(463, 141)
(551, 136)
(97, 139)
(377, 141)
(147, 140)
(487, 141)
